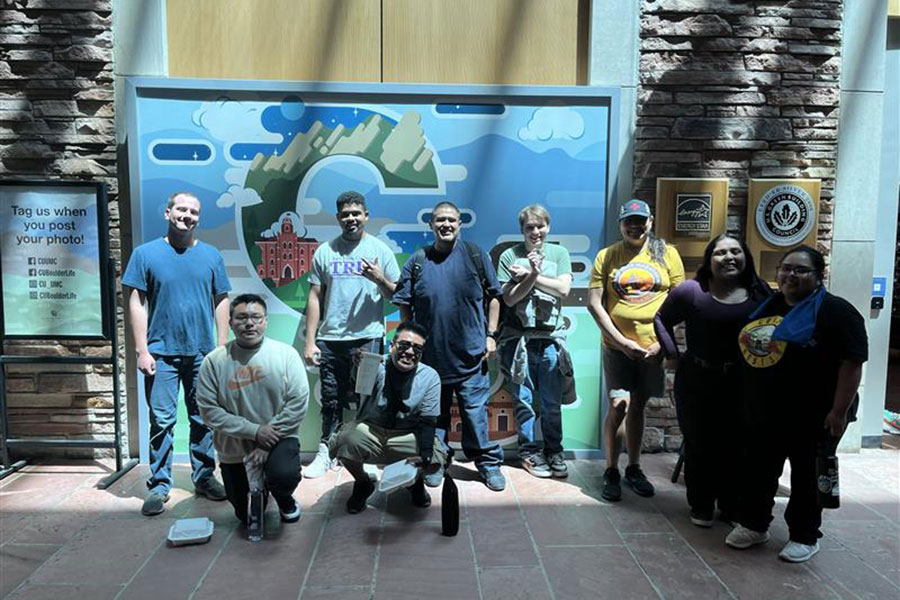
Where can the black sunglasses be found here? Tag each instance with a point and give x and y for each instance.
(403, 346)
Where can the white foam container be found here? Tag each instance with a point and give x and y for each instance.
(397, 475)
(191, 531)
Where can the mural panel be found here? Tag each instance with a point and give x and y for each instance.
(268, 166)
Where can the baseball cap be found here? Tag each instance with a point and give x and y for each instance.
(634, 208)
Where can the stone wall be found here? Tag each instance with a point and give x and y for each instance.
(736, 89)
(57, 122)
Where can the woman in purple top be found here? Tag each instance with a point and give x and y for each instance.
(713, 306)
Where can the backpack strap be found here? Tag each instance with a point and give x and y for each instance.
(415, 269)
(477, 259)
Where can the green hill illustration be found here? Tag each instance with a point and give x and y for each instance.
(397, 151)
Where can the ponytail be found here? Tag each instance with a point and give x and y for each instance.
(657, 248)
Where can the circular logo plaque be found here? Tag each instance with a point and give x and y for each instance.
(785, 215)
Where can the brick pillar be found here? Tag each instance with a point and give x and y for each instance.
(737, 89)
(57, 122)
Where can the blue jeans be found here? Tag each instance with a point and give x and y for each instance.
(161, 391)
(543, 377)
(472, 395)
(337, 380)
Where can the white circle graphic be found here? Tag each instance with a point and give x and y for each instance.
(785, 215)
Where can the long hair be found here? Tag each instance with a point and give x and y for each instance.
(657, 248)
(749, 278)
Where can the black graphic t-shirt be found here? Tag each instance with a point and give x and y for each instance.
(790, 379)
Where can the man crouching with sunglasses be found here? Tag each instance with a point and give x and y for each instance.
(396, 421)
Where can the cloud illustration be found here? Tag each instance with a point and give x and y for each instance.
(553, 122)
(309, 206)
(229, 120)
(238, 195)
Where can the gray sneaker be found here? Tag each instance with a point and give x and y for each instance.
(211, 488)
(494, 479)
(154, 504)
(536, 465)
(558, 465)
(434, 480)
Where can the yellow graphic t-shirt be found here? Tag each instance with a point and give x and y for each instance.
(635, 286)
(757, 346)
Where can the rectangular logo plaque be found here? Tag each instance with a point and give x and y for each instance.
(693, 213)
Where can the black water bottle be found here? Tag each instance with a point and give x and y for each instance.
(827, 480)
(449, 507)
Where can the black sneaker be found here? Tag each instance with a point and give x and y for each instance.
(612, 485)
(558, 466)
(537, 465)
(702, 519)
(356, 503)
(637, 481)
(292, 515)
(418, 495)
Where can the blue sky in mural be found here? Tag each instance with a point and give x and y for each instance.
(492, 158)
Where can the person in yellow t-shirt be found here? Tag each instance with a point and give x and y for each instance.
(629, 282)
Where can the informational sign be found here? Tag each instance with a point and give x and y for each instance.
(689, 213)
(781, 214)
(52, 272)
(785, 215)
(268, 161)
(692, 213)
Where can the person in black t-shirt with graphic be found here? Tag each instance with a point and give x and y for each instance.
(802, 352)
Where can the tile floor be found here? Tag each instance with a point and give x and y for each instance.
(62, 538)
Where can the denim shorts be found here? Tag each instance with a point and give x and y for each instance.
(645, 378)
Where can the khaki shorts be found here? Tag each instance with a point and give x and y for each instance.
(369, 443)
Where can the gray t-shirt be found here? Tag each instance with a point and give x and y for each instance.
(419, 398)
(352, 307)
(538, 310)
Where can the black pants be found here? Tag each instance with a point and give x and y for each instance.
(282, 477)
(791, 437)
(336, 375)
(707, 402)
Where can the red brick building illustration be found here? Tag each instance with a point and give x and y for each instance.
(501, 418)
(285, 257)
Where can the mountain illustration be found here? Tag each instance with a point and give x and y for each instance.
(397, 150)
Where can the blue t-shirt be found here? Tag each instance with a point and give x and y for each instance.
(449, 302)
(180, 285)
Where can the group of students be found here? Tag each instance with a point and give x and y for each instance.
(766, 374)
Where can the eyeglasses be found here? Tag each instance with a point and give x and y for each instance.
(256, 319)
(798, 271)
(402, 346)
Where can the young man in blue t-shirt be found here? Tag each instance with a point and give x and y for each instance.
(178, 289)
(444, 291)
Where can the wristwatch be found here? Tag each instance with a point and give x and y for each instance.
(493, 334)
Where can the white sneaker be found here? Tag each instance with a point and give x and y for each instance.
(796, 552)
(741, 537)
(320, 464)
